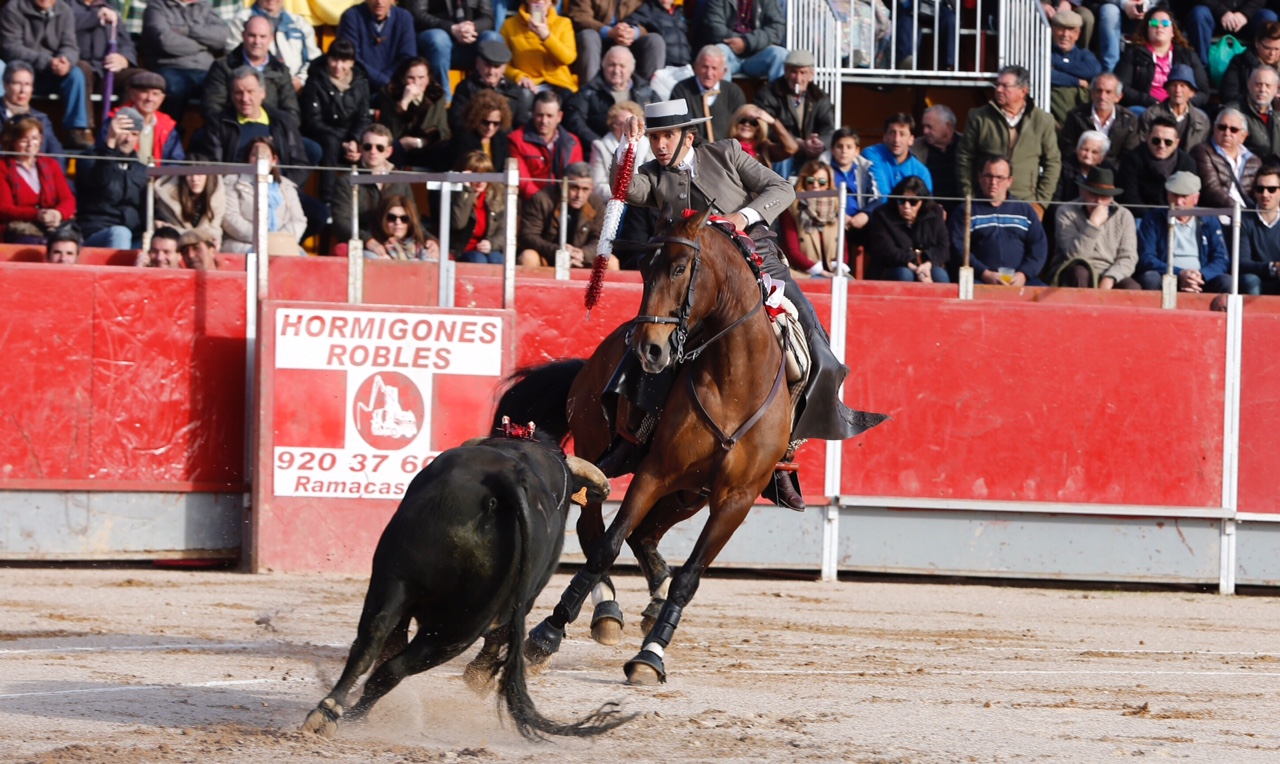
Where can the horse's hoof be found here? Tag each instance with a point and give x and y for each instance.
(645, 669)
(323, 719)
(606, 623)
(479, 677)
(650, 615)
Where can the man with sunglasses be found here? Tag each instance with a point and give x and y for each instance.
(1225, 165)
(1260, 236)
(375, 159)
(1191, 121)
(1264, 127)
(1146, 168)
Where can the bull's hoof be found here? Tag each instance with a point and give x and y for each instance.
(606, 623)
(543, 642)
(650, 615)
(323, 719)
(645, 669)
(479, 676)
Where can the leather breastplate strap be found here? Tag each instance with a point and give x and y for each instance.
(729, 441)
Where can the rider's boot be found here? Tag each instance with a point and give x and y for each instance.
(784, 488)
(625, 452)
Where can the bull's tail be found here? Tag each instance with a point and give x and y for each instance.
(531, 724)
(540, 394)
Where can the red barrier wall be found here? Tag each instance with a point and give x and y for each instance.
(1259, 412)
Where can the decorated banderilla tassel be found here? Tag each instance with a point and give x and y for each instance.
(613, 211)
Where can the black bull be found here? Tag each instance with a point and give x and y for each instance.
(475, 539)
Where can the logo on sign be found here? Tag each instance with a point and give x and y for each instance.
(388, 411)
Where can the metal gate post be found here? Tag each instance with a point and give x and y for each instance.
(1231, 417)
(835, 448)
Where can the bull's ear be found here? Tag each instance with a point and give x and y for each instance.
(588, 477)
(473, 442)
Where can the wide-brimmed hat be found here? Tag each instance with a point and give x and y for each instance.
(1101, 182)
(1182, 73)
(670, 115)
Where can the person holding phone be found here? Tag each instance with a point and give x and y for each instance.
(542, 48)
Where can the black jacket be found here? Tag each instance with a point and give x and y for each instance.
(587, 111)
(520, 99)
(1235, 80)
(111, 190)
(890, 242)
(216, 94)
(731, 99)
(769, 25)
(330, 112)
(94, 39)
(1136, 70)
(1125, 132)
(819, 114)
(1143, 184)
(442, 14)
(222, 142)
(464, 142)
(672, 25)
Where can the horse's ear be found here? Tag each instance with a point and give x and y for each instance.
(668, 213)
(699, 220)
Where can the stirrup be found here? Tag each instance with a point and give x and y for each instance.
(784, 488)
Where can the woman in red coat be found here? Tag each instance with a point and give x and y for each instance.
(34, 195)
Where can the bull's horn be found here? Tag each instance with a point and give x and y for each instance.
(597, 483)
(473, 442)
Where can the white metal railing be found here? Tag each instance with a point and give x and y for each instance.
(857, 41)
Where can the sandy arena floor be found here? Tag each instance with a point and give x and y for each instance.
(132, 665)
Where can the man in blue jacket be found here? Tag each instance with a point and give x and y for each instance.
(1200, 258)
(892, 160)
(1073, 67)
(1007, 245)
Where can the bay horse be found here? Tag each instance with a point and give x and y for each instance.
(725, 425)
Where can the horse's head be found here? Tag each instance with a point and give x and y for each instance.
(671, 304)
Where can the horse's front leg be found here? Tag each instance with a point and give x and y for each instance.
(544, 639)
(728, 509)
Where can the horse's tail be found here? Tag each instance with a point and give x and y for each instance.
(540, 394)
(531, 724)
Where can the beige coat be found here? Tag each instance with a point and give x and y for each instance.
(729, 178)
(1111, 250)
(237, 224)
(169, 209)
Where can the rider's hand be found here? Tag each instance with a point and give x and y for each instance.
(738, 219)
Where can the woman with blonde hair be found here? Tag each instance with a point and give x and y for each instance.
(399, 234)
(810, 229)
(193, 202)
(478, 218)
(751, 126)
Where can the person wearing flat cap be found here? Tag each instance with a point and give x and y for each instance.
(802, 107)
(1200, 259)
(1097, 241)
(721, 177)
(159, 137)
(490, 74)
(1074, 67)
(1193, 123)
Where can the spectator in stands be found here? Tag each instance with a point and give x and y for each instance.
(600, 27)
(293, 40)
(63, 246)
(490, 74)
(1260, 236)
(484, 128)
(478, 219)
(892, 160)
(227, 137)
(414, 109)
(668, 21)
(1265, 50)
(159, 138)
(1091, 151)
(543, 149)
(375, 159)
(284, 213)
(604, 149)
(908, 32)
(19, 84)
(42, 33)
(112, 187)
(1200, 257)
(1104, 114)
(1010, 126)
(809, 230)
(383, 36)
(1192, 122)
(1073, 67)
(1146, 64)
(907, 237)
(1116, 18)
(399, 234)
(1148, 167)
(802, 107)
(751, 34)
(94, 21)
(450, 32)
(199, 252)
(1225, 166)
(587, 111)
(542, 48)
(852, 169)
(34, 195)
(335, 108)
(163, 252)
(710, 94)
(1097, 241)
(1007, 244)
(1240, 18)
(193, 202)
(756, 129)
(255, 52)
(540, 223)
(183, 37)
(936, 148)
(1259, 115)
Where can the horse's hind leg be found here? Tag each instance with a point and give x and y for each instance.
(673, 509)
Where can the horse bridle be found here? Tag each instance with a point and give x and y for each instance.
(681, 333)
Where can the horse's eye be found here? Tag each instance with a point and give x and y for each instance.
(677, 270)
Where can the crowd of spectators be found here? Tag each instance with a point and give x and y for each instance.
(1071, 193)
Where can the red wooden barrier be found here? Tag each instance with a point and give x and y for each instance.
(1259, 412)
